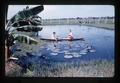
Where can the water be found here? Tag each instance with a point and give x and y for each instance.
(100, 41)
(59, 56)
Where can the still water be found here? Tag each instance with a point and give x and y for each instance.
(100, 43)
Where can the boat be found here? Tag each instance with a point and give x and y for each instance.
(64, 39)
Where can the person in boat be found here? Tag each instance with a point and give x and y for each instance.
(70, 35)
(54, 36)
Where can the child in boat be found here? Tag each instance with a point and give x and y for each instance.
(54, 36)
(70, 35)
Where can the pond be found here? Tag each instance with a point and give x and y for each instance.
(98, 44)
(93, 57)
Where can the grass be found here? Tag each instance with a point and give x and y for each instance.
(46, 68)
(72, 69)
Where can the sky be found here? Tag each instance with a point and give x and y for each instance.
(67, 11)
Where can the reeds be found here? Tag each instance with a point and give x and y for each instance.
(73, 69)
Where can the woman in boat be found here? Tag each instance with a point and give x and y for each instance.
(54, 36)
(70, 35)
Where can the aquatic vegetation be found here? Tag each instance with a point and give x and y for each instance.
(39, 67)
(73, 69)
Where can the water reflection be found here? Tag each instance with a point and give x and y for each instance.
(70, 44)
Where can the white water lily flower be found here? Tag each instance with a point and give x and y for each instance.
(84, 51)
(68, 56)
(76, 55)
(54, 53)
(92, 50)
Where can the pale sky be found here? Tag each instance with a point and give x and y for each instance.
(67, 11)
